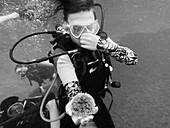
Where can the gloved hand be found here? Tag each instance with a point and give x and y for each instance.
(81, 108)
(89, 41)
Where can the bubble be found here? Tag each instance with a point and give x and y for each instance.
(38, 16)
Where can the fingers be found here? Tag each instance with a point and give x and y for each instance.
(76, 119)
(86, 36)
(88, 45)
(89, 37)
(85, 42)
(86, 120)
(89, 41)
(80, 120)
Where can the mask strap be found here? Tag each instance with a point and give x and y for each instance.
(102, 15)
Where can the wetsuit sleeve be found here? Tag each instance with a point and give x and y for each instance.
(66, 72)
(120, 53)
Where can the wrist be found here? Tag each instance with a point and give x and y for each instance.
(72, 89)
(106, 45)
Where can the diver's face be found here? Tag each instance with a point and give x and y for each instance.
(80, 18)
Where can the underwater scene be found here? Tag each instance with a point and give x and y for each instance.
(143, 101)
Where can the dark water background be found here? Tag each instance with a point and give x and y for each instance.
(143, 101)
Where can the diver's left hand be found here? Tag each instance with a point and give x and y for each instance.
(81, 120)
(81, 108)
(89, 41)
(77, 119)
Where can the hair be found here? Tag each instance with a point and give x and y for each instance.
(73, 6)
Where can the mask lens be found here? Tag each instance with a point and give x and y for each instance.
(15, 109)
(76, 30)
(93, 28)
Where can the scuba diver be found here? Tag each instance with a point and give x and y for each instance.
(89, 69)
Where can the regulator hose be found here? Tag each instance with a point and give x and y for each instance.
(36, 60)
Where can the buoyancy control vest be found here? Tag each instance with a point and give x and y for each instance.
(93, 68)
